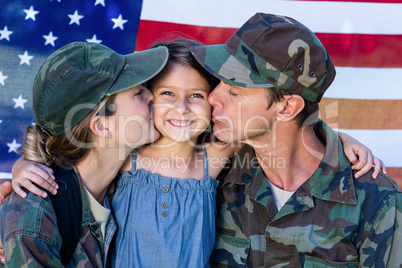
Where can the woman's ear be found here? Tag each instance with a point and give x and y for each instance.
(99, 126)
(290, 107)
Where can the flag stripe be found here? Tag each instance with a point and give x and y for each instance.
(149, 31)
(362, 114)
(319, 16)
(362, 1)
(383, 143)
(366, 83)
(357, 50)
(395, 173)
(363, 50)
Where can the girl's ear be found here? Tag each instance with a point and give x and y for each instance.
(290, 107)
(99, 126)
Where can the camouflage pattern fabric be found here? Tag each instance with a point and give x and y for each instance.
(332, 220)
(31, 239)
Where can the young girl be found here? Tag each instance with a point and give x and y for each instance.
(165, 198)
(88, 147)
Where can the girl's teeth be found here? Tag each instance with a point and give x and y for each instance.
(180, 123)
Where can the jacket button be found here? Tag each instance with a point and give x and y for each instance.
(165, 189)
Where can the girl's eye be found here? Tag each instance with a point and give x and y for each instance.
(168, 93)
(196, 95)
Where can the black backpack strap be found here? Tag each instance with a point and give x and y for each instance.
(68, 209)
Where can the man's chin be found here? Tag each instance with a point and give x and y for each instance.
(223, 135)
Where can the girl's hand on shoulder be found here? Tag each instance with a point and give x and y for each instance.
(361, 157)
(29, 174)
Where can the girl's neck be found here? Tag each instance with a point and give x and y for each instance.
(165, 147)
(98, 169)
(176, 160)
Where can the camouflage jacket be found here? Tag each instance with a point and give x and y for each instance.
(332, 220)
(31, 239)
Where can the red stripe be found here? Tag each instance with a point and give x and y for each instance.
(363, 50)
(150, 31)
(354, 50)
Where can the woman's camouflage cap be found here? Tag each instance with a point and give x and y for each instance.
(75, 78)
(271, 51)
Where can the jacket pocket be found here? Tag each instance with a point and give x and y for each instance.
(230, 251)
(312, 262)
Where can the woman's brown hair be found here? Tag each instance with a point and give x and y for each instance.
(67, 149)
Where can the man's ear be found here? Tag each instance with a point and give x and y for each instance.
(290, 107)
(99, 126)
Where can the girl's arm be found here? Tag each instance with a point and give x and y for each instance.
(25, 173)
(360, 156)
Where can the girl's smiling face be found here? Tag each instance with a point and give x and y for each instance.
(181, 107)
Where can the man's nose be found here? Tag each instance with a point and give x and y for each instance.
(214, 97)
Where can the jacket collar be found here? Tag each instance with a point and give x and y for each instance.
(86, 215)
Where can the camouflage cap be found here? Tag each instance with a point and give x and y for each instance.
(75, 78)
(271, 51)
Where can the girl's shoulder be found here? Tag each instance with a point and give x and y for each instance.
(222, 150)
(126, 165)
(218, 154)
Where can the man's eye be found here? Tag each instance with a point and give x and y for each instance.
(232, 93)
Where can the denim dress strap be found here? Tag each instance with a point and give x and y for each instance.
(133, 160)
(205, 160)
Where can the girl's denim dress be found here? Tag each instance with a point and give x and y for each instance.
(162, 221)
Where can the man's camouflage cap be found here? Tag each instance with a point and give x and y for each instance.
(271, 51)
(75, 78)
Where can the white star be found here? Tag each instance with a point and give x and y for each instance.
(119, 22)
(102, 2)
(25, 58)
(31, 13)
(94, 40)
(5, 34)
(1, 121)
(2, 78)
(12, 147)
(75, 18)
(19, 102)
(50, 38)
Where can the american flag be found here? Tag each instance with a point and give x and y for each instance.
(364, 39)
(32, 30)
